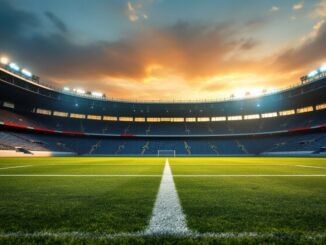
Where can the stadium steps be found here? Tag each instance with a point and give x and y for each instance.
(187, 147)
(214, 148)
(120, 148)
(145, 147)
(242, 147)
(95, 147)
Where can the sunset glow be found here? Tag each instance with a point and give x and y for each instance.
(165, 50)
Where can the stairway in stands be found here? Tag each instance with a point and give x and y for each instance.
(214, 148)
(95, 147)
(144, 148)
(242, 147)
(187, 147)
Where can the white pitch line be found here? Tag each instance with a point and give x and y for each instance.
(157, 175)
(221, 235)
(306, 166)
(167, 217)
(22, 166)
(249, 175)
(80, 175)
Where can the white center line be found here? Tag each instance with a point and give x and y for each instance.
(167, 217)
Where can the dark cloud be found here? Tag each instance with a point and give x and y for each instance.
(311, 53)
(189, 50)
(13, 21)
(57, 22)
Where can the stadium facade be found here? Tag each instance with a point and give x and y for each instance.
(36, 118)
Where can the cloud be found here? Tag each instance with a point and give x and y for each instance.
(297, 6)
(57, 22)
(274, 8)
(199, 59)
(309, 54)
(135, 11)
(319, 10)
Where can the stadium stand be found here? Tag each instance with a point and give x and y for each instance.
(35, 117)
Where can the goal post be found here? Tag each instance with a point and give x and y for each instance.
(166, 153)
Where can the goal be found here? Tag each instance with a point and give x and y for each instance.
(166, 153)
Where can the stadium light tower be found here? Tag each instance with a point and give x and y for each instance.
(313, 73)
(323, 68)
(97, 94)
(80, 91)
(27, 73)
(14, 66)
(4, 60)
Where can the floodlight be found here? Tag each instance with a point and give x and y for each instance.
(14, 66)
(323, 68)
(80, 91)
(97, 94)
(313, 73)
(27, 73)
(66, 89)
(4, 60)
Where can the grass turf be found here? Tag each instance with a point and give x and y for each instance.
(124, 204)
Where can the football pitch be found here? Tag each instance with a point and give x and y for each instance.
(159, 200)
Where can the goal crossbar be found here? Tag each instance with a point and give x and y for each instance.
(170, 153)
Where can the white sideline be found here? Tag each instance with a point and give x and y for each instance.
(156, 175)
(221, 235)
(306, 166)
(22, 166)
(167, 217)
(80, 175)
(250, 175)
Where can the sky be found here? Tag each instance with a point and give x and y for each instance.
(166, 49)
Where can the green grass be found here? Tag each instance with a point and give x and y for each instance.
(112, 205)
(262, 204)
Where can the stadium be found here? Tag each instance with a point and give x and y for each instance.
(39, 120)
(79, 166)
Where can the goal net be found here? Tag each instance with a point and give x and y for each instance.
(166, 153)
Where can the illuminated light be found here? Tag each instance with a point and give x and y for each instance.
(27, 73)
(258, 105)
(66, 89)
(323, 68)
(4, 60)
(76, 105)
(80, 91)
(313, 73)
(14, 66)
(97, 94)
